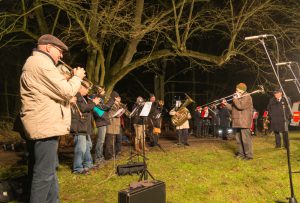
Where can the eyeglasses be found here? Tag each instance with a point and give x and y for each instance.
(59, 49)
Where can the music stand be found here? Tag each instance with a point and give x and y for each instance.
(144, 114)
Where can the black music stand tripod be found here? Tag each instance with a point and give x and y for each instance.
(144, 113)
(134, 112)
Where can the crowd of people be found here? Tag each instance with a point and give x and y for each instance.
(55, 104)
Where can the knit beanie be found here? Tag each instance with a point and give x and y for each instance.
(242, 86)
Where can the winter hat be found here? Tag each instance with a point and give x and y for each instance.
(198, 107)
(242, 86)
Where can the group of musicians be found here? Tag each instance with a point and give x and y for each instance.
(54, 105)
(108, 112)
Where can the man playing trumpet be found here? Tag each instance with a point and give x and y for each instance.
(46, 113)
(241, 114)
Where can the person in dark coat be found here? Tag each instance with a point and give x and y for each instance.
(224, 115)
(154, 121)
(241, 113)
(215, 119)
(279, 113)
(81, 128)
(198, 121)
(114, 128)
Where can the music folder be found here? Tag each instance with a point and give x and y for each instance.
(146, 109)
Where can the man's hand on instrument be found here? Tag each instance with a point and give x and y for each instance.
(96, 100)
(79, 72)
(73, 100)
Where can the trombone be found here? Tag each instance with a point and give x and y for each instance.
(91, 85)
(219, 101)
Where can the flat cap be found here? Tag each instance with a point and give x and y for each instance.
(50, 39)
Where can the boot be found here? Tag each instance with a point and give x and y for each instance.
(143, 144)
(137, 147)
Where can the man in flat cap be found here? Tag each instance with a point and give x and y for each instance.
(279, 114)
(45, 113)
(241, 114)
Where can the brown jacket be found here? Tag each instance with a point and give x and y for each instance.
(241, 111)
(45, 93)
(115, 122)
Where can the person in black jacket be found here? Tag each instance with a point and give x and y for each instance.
(198, 121)
(279, 114)
(81, 127)
(224, 121)
(154, 120)
(139, 125)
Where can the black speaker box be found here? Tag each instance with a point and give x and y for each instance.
(152, 194)
(129, 169)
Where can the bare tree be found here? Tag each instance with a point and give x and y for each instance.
(119, 36)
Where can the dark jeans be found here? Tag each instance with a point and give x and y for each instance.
(198, 129)
(153, 137)
(244, 140)
(224, 132)
(215, 130)
(44, 186)
(118, 144)
(278, 139)
(205, 127)
(109, 150)
(182, 135)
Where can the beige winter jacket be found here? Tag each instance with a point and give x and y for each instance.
(45, 94)
(185, 125)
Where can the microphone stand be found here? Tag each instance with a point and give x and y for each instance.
(296, 81)
(292, 199)
(275, 72)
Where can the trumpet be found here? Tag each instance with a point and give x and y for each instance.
(120, 105)
(219, 101)
(90, 84)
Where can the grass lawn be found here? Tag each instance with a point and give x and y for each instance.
(204, 172)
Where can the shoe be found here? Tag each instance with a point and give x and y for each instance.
(247, 158)
(186, 144)
(99, 162)
(84, 172)
(240, 157)
(94, 167)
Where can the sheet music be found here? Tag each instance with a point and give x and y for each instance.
(146, 109)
